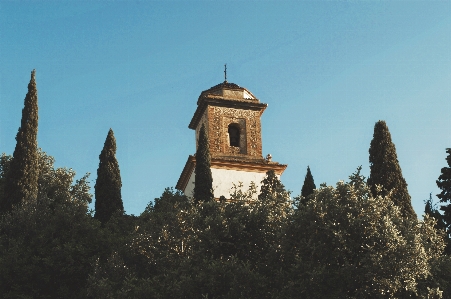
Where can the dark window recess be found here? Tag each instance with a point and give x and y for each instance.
(234, 135)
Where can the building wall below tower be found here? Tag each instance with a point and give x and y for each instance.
(223, 180)
(189, 189)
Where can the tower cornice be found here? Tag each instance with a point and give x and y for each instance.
(251, 165)
(204, 102)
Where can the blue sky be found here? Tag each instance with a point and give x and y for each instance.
(328, 71)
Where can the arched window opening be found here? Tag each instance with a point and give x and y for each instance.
(234, 135)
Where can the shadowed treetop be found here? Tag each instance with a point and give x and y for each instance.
(309, 184)
(108, 184)
(22, 177)
(203, 185)
(385, 170)
(444, 183)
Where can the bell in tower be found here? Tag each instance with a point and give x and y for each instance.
(234, 135)
(231, 115)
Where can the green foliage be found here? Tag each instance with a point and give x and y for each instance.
(46, 252)
(203, 185)
(345, 243)
(245, 228)
(351, 241)
(444, 183)
(55, 185)
(184, 249)
(48, 246)
(308, 187)
(440, 273)
(108, 184)
(211, 278)
(116, 263)
(5, 162)
(22, 176)
(431, 210)
(272, 188)
(150, 252)
(385, 171)
(165, 230)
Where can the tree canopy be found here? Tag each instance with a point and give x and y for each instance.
(444, 183)
(308, 187)
(108, 183)
(346, 243)
(354, 240)
(203, 184)
(385, 171)
(48, 246)
(21, 182)
(343, 243)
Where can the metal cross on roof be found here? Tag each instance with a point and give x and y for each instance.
(225, 73)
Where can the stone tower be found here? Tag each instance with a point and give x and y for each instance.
(231, 115)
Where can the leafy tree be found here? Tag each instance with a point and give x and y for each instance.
(165, 228)
(308, 187)
(212, 249)
(108, 184)
(345, 243)
(54, 184)
(203, 185)
(154, 249)
(274, 203)
(22, 177)
(48, 246)
(271, 186)
(440, 273)
(385, 170)
(242, 236)
(57, 185)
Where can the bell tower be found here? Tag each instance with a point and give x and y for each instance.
(231, 115)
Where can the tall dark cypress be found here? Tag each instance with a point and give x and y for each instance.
(385, 170)
(430, 209)
(22, 177)
(203, 184)
(309, 184)
(444, 183)
(108, 184)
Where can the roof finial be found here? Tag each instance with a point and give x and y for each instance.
(225, 73)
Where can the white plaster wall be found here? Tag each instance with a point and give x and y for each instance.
(223, 180)
(189, 189)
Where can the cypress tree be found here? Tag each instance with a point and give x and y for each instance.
(431, 210)
(444, 183)
(108, 184)
(22, 177)
(385, 170)
(203, 184)
(309, 184)
(271, 187)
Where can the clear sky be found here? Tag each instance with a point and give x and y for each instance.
(328, 71)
